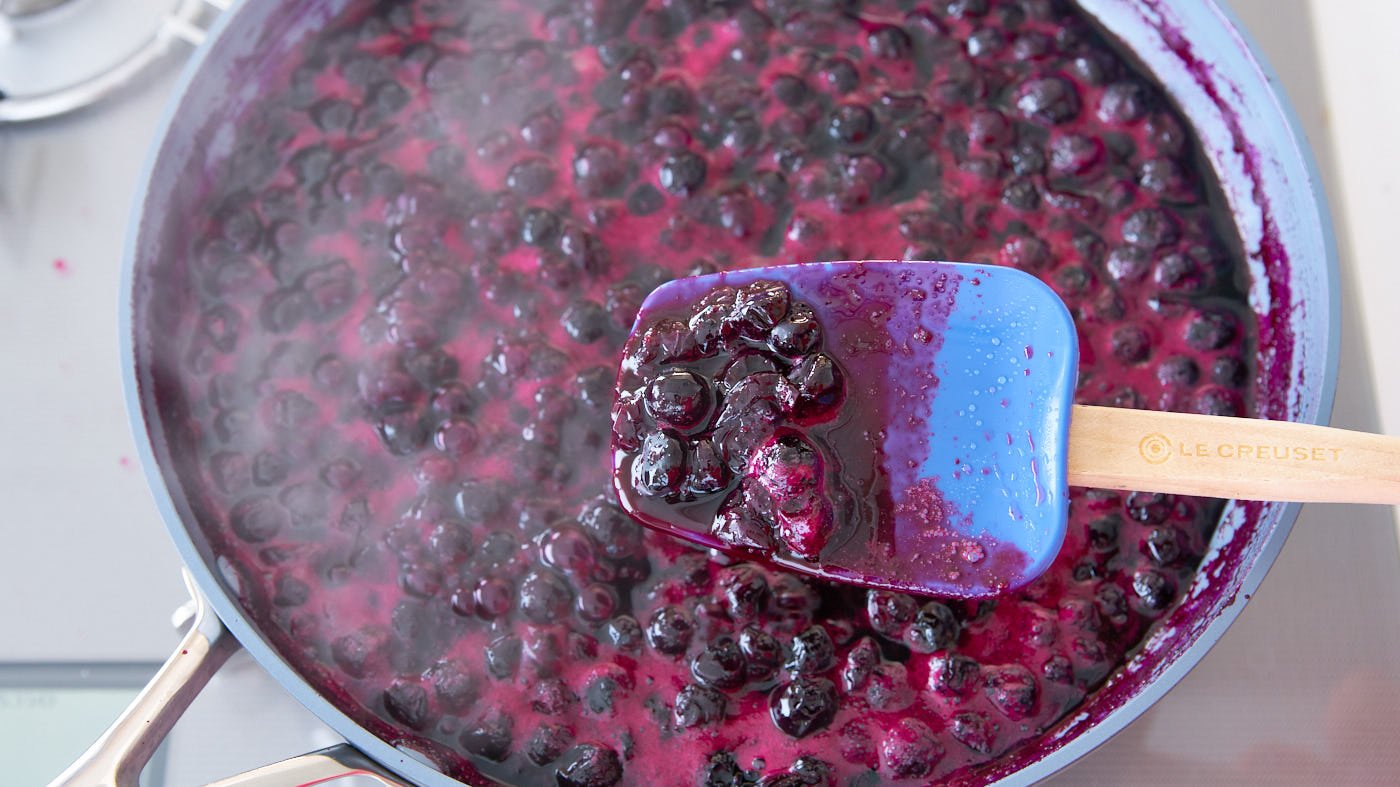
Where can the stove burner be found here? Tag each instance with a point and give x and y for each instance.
(60, 55)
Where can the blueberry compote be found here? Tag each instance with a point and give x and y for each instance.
(790, 413)
(717, 426)
(402, 313)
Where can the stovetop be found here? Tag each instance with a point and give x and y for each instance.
(1301, 689)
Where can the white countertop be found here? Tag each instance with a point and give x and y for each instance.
(1302, 687)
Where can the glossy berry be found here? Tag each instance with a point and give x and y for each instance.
(679, 399)
(491, 739)
(720, 665)
(670, 629)
(889, 612)
(682, 173)
(698, 706)
(589, 765)
(797, 335)
(909, 750)
(659, 468)
(763, 653)
(803, 706)
(813, 652)
(974, 730)
(934, 628)
(1048, 100)
(1012, 690)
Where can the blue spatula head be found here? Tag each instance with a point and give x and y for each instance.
(893, 424)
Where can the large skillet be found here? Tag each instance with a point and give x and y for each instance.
(1193, 47)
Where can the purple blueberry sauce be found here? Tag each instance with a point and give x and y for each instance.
(395, 360)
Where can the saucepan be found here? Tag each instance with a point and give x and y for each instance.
(1195, 48)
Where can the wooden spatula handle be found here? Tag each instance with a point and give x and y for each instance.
(1242, 458)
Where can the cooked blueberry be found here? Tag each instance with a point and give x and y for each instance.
(1021, 195)
(1217, 401)
(645, 200)
(617, 535)
(698, 706)
(531, 176)
(539, 226)
(542, 129)
(1124, 102)
(407, 702)
(585, 321)
(670, 629)
(599, 170)
(453, 685)
(934, 627)
(548, 742)
(1057, 669)
(1210, 331)
(503, 656)
(1153, 588)
(819, 384)
(805, 533)
(860, 663)
(762, 652)
(1150, 508)
(1103, 533)
(1228, 371)
(1048, 100)
(1149, 228)
(679, 399)
(804, 706)
(790, 89)
(813, 652)
(851, 124)
(888, 42)
(743, 590)
(589, 765)
(257, 519)
(1130, 344)
(889, 612)
(788, 467)
(625, 633)
(491, 739)
(974, 730)
(665, 342)
(1074, 154)
(985, 42)
(720, 665)
(658, 469)
(722, 770)
(910, 750)
(1012, 690)
(1178, 371)
(707, 472)
(544, 596)
(953, 674)
(797, 335)
(682, 173)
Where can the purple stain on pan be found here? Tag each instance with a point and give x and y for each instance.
(941, 469)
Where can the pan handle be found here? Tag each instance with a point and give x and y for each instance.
(316, 767)
(116, 759)
(182, 24)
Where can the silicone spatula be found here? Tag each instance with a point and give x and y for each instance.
(911, 425)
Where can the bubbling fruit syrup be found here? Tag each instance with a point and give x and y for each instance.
(401, 316)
